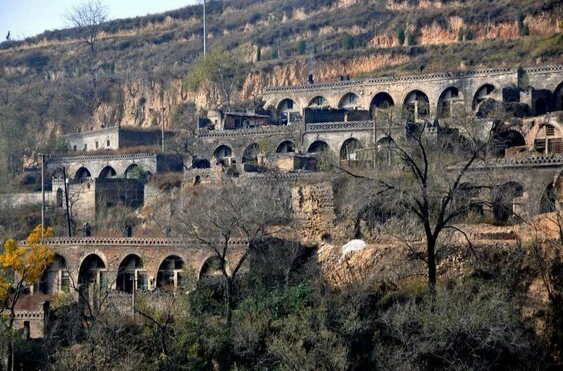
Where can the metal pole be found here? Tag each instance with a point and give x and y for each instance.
(66, 201)
(42, 193)
(204, 30)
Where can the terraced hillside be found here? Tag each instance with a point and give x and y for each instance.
(136, 76)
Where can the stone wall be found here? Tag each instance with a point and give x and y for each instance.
(9, 200)
(313, 206)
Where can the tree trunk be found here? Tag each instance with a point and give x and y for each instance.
(431, 256)
(229, 300)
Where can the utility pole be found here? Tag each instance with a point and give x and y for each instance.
(42, 193)
(204, 30)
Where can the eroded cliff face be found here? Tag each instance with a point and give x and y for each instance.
(322, 69)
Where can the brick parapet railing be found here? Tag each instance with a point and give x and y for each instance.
(81, 158)
(296, 176)
(122, 241)
(339, 126)
(535, 161)
(411, 78)
(29, 314)
(249, 132)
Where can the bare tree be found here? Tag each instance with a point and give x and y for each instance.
(423, 192)
(88, 17)
(218, 217)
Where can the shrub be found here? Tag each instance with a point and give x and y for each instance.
(301, 47)
(465, 327)
(401, 36)
(348, 42)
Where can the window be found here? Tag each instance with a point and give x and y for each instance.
(74, 148)
(353, 98)
(97, 145)
(289, 104)
(142, 281)
(107, 144)
(549, 131)
(85, 146)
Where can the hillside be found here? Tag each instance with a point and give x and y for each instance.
(136, 75)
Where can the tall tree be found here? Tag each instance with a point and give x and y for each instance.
(20, 268)
(219, 75)
(88, 18)
(426, 189)
(217, 217)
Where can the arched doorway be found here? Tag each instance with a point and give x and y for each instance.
(171, 273)
(558, 98)
(131, 275)
(482, 94)
(381, 101)
(92, 278)
(107, 172)
(505, 203)
(133, 171)
(506, 139)
(82, 175)
(348, 151)
(250, 158)
(223, 155)
(349, 101)
(318, 102)
(447, 98)
(55, 279)
(548, 139)
(318, 146)
(288, 112)
(416, 106)
(286, 146)
(60, 198)
(211, 268)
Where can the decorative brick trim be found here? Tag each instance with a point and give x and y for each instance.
(249, 132)
(339, 126)
(122, 241)
(83, 158)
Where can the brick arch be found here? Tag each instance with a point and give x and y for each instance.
(208, 258)
(449, 93)
(381, 98)
(419, 93)
(348, 96)
(288, 142)
(93, 252)
(313, 101)
(348, 141)
(477, 90)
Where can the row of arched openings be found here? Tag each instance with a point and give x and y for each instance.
(417, 102)
(131, 274)
(133, 171)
